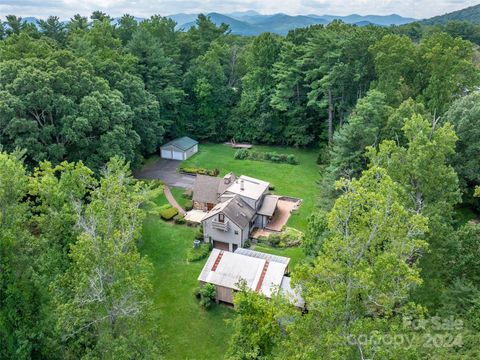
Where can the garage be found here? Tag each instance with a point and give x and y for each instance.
(179, 149)
(221, 245)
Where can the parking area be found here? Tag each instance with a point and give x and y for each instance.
(166, 170)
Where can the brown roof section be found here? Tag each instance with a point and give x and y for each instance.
(205, 189)
(217, 261)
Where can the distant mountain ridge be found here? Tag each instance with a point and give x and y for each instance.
(471, 14)
(252, 23)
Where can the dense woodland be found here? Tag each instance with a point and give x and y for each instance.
(394, 112)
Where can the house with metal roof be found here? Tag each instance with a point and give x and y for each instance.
(179, 149)
(260, 272)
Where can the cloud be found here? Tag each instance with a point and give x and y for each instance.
(146, 8)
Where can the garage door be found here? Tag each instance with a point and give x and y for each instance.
(177, 155)
(166, 154)
(221, 245)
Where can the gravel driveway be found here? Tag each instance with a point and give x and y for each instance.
(166, 170)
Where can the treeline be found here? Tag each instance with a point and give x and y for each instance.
(91, 89)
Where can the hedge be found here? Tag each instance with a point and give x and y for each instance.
(168, 213)
(195, 254)
(244, 154)
(199, 171)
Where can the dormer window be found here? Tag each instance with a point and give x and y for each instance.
(221, 218)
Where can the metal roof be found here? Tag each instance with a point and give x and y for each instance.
(183, 143)
(227, 269)
(269, 205)
(261, 255)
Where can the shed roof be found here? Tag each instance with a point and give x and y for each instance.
(269, 205)
(249, 187)
(235, 209)
(260, 275)
(183, 143)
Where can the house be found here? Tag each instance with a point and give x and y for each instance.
(179, 149)
(227, 226)
(234, 206)
(260, 272)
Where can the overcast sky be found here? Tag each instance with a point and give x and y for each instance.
(145, 8)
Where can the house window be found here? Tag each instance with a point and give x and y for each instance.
(236, 232)
(221, 218)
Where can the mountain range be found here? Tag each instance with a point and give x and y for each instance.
(253, 23)
(471, 14)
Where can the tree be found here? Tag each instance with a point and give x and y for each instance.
(257, 328)
(464, 114)
(126, 27)
(77, 23)
(23, 333)
(103, 298)
(361, 280)
(430, 187)
(395, 65)
(448, 71)
(53, 28)
(364, 128)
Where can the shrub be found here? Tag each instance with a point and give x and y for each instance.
(199, 233)
(247, 243)
(273, 156)
(179, 219)
(275, 239)
(241, 154)
(199, 171)
(195, 254)
(196, 292)
(189, 205)
(168, 213)
(207, 293)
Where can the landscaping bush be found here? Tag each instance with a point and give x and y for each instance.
(168, 213)
(199, 233)
(195, 254)
(189, 205)
(247, 243)
(179, 219)
(207, 293)
(199, 171)
(275, 157)
(241, 154)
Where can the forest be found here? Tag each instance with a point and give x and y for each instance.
(393, 113)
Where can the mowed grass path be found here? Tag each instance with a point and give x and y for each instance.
(289, 180)
(192, 333)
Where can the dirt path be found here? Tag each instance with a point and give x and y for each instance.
(172, 201)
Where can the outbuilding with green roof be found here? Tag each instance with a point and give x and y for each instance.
(179, 149)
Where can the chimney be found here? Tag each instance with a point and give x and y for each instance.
(242, 185)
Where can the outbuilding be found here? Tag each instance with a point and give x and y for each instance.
(179, 149)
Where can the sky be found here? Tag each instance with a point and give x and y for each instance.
(145, 8)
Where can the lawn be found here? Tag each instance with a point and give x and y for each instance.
(192, 333)
(291, 180)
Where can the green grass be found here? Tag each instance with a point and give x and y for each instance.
(290, 180)
(294, 253)
(192, 333)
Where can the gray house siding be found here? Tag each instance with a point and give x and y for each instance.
(233, 236)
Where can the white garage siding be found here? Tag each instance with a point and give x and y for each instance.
(179, 149)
